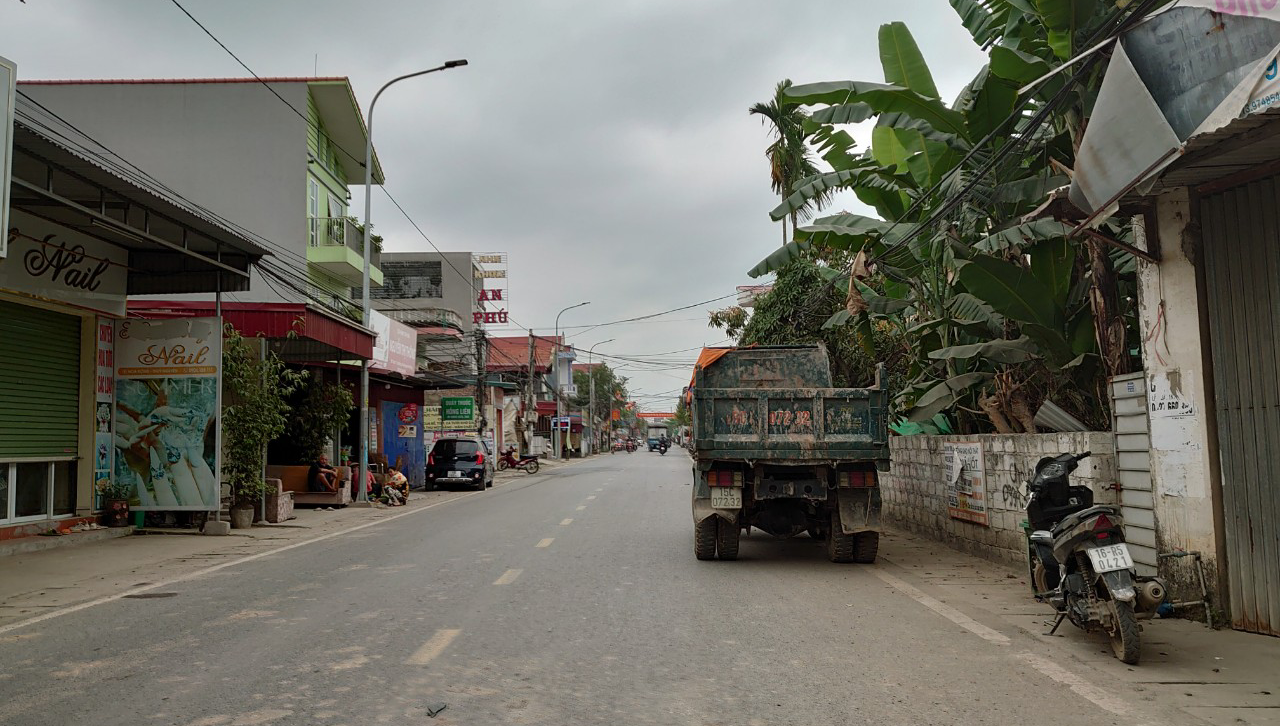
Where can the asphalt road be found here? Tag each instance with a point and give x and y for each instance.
(566, 598)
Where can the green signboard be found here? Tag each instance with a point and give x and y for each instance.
(460, 408)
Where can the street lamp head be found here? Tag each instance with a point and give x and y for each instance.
(455, 63)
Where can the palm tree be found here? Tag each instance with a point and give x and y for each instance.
(789, 157)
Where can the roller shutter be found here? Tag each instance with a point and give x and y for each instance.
(39, 382)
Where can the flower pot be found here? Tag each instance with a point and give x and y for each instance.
(242, 516)
(116, 513)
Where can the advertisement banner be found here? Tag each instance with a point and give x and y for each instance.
(103, 396)
(395, 348)
(966, 481)
(167, 425)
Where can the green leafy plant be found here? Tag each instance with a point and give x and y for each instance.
(113, 489)
(255, 411)
(320, 410)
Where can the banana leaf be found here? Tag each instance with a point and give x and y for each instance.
(943, 395)
(780, 258)
(882, 98)
(1020, 350)
(1010, 291)
(1013, 64)
(902, 61)
(1021, 234)
(842, 231)
(1052, 263)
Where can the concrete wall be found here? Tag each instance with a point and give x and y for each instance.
(230, 147)
(1174, 353)
(915, 493)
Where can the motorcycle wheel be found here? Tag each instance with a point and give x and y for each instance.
(1126, 639)
(532, 467)
(503, 465)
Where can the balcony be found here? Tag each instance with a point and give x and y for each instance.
(336, 247)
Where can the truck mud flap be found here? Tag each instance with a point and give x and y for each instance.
(859, 509)
(702, 509)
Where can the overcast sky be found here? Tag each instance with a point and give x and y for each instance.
(604, 144)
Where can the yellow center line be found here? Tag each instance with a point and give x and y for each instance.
(433, 647)
(508, 577)
(546, 542)
(566, 522)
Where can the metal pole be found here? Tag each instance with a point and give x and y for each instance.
(362, 474)
(556, 438)
(591, 406)
(217, 457)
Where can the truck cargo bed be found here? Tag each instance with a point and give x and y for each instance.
(790, 424)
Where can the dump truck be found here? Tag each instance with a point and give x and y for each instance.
(777, 448)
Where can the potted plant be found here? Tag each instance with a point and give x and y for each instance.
(256, 384)
(115, 495)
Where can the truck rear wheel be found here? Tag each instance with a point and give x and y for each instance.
(839, 545)
(704, 538)
(865, 547)
(727, 538)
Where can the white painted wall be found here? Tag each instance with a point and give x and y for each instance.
(1173, 356)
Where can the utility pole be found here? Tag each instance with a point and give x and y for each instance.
(480, 375)
(530, 406)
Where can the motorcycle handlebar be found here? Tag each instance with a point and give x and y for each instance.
(1083, 456)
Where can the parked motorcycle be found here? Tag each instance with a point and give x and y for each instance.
(1079, 562)
(508, 460)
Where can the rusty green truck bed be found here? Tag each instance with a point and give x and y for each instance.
(776, 404)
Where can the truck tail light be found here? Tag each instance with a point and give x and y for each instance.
(859, 478)
(724, 478)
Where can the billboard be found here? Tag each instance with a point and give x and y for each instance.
(168, 376)
(492, 291)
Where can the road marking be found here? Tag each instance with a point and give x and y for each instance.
(566, 522)
(433, 647)
(1095, 695)
(547, 542)
(592, 497)
(581, 508)
(215, 568)
(508, 577)
(944, 609)
(599, 490)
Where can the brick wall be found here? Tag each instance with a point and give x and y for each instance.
(915, 492)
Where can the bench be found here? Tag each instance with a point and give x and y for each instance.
(279, 502)
(294, 479)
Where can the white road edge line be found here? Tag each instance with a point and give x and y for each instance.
(566, 522)
(433, 647)
(1095, 695)
(944, 609)
(214, 568)
(546, 542)
(508, 577)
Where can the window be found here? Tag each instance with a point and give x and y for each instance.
(336, 207)
(37, 489)
(409, 280)
(313, 210)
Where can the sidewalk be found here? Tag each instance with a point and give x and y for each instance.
(1222, 677)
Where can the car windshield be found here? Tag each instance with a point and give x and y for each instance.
(455, 447)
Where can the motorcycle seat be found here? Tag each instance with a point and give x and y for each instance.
(1071, 521)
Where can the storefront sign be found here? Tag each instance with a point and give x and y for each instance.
(491, 286)
(8, 84)
(167, 428)
(431, 420)
(51, 262)
(459, 408)
(395, 347)
(104, 388)
(966, 482)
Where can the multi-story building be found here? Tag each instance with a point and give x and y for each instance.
(438, 294)
(277, 164)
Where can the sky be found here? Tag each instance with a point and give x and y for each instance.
(604, 145)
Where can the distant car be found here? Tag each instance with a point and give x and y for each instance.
(653, 443)
(464, 461)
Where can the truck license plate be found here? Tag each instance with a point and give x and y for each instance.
(1111, 558)
(726, 497)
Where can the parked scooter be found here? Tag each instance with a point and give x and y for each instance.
(508, 460)
(1079, 562)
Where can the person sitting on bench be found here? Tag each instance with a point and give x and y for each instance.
(322, 477)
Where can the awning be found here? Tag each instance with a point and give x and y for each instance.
(173, 247)
(298, 332)
(545, 408)
(425, 381)
(1192, 70)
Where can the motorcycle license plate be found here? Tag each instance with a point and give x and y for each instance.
(1111, 558)
(726, 497)
(455, 475)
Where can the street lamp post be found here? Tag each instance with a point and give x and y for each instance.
(591, 406)
(556, 437)
(362, 495)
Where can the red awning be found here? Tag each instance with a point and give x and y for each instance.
(545, 408)
(269, 320)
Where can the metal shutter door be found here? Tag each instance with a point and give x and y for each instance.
(39, 382)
